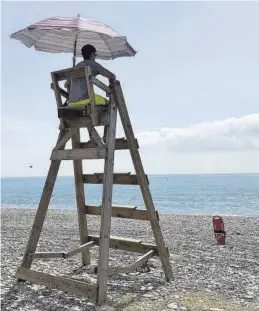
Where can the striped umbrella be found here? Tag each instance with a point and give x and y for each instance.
(68, 35)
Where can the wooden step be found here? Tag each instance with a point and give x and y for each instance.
(130, 269)
(118, 178)
(120, 211)
(78, 154)
(68, 285)
(130, 245)
(120, 144)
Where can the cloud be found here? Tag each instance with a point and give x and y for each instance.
(233, 134)
(224, 146)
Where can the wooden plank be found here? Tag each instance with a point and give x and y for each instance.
(95, 137)
(79, 249)
(57, 96)
(129, 245)
(65, 284)
(68, 73)
(105, 133)
(56, 90)
(80, 198)
(120, 212)
(126, 123)
(118, 178)
(103, 262)
(42, 255)
(88, 73)
(42, 209)
(62, 91)
(120, 144)
(85, 121)
(140, 261)
(132, 267)
(63, 141)
(78, 154)
(101, 85)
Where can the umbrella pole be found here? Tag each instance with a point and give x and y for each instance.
(74, 56)
(75, 44)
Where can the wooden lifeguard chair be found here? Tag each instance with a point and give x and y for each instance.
(71, 120)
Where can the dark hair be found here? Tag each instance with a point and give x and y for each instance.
(87, 50)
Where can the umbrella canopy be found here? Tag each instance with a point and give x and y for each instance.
(68, 35)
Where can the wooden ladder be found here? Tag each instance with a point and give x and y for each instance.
(71, 120)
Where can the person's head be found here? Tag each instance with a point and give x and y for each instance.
(88, 52)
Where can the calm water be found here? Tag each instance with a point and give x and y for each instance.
(236, 194)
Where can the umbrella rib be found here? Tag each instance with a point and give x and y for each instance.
(106, 44)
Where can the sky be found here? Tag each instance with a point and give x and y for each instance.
(192, 90)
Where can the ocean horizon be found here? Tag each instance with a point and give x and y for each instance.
(210, 194)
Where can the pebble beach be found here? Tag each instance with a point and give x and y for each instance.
(208, 276)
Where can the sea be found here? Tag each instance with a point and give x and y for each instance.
(222, 194)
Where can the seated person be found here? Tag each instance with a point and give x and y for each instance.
(78, 93)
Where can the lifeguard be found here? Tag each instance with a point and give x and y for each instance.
(78, 93)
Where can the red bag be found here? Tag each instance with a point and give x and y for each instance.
(220, 233)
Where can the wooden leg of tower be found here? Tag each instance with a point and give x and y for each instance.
(103, 262)
(163, 253)
(42, 208)
(80, 198)
(105, 131)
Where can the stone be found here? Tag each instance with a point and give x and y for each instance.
(172, 306)
(148, 295)
(216, 309)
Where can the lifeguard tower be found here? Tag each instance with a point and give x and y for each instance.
(71, 120)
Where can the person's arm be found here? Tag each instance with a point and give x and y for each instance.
(109, 75)
(104, 72)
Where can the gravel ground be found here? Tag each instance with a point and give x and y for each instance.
(207, 276)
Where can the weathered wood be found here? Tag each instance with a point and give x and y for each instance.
(78, 154)
(42, 209)
(105, 133)
(80, 198)
(62, 92)
(57, 96)
(140, 261)
(118, 178)
(120, 144)
(56, 90)
(69, 73)
(44, 255)
(63, 141)
(82, 114)
(85, 122)
(129, 245)
(95, 137)
(71, 113)
(101, 85)
(79, 249)
(120, 212)
(126, 123)
(88, 73)
(103, 261)
(65, 284)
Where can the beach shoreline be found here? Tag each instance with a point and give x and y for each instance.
(202, 268)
